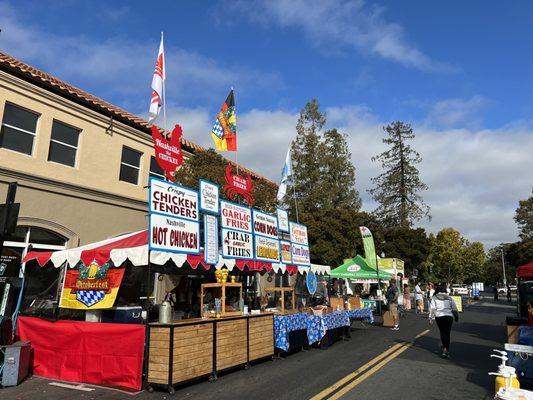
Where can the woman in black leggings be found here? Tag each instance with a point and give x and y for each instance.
(443, 310)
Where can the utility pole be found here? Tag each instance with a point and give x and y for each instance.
(503, 268)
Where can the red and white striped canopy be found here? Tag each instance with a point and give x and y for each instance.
(134, 247)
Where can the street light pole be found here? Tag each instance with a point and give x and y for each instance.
(503, 268)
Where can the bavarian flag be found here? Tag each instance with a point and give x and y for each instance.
(224, 131)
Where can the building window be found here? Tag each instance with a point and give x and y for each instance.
(155, 170)
(130, 166)
(63, 144)
(18, 129)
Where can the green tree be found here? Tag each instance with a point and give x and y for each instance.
(455, 259)
(411, 245)
(210, 165)
(493, 269)
(338, 173)
(524, 218)
(324, 185)
(446, 251)
(397, 189)
(474, 262)
(306, 160)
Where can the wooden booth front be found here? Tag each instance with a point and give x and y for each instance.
(184, 350)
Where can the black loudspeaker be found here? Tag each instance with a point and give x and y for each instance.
(6, 331)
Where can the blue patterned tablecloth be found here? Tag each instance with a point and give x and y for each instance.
(363, 313)
(284, 324)
(318, 325)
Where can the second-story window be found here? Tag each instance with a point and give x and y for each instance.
(18, 129)
(63, 144)
(130, 165)
(155, 170)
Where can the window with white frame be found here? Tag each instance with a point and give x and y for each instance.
(130, 165)
(155, 170)
(18, 129)
(63, 144)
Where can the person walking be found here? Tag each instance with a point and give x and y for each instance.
(419, 299)
(406, 297)
(443, 310)
(495, 288)
(508, 292)
(392, 299)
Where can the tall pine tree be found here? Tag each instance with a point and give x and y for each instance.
(323, 181)
(397, 189)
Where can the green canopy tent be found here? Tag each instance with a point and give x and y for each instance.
(358, 270)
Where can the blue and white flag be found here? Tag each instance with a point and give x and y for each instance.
(287, 171)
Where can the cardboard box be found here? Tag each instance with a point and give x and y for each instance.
(388, 321)
(336, 303)
(354, 303)
(512, 333)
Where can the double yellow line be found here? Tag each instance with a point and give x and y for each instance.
(355, 378)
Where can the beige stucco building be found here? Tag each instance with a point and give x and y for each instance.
(82, 164)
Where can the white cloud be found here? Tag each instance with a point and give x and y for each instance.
(335, 25)
(475, 177)
(458, 112)
(122, 67)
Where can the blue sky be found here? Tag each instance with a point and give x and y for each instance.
(459, 71)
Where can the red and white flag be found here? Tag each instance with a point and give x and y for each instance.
(158, 84)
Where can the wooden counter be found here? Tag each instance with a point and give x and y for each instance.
(189, 349)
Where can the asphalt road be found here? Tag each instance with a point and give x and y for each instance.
(411, 368)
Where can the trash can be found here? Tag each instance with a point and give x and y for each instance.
(16, 363)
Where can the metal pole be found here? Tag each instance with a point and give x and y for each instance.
(503, 268)
(295, 203)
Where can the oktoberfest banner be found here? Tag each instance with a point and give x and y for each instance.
(91, 288)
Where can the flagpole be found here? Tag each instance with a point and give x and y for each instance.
(164, 90)
(236, 162)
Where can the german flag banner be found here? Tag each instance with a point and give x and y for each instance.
(224, 131)
(91, 288)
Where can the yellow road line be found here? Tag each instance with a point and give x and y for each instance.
(352, 375)
(376, 363)
(422, 333)
(371, 371)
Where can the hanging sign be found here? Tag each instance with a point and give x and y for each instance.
(300, 254)
(209, 197)
(173, 200)
(91, 288)
(311, 282)
(283, 220)
(266, 249)
(238, 185)
(298, 233)
(265, 224)
(168, 153)
(234, 216)
(210, 239)
(286, 254)
(237, 244)
(174, 234)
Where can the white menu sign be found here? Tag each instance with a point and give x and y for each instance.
(265, 224)
(298, 233)
(235, 216)
(266, 249)
(209, 196)
(237, 244)
(173, 200)
(300, 254)
(174, 234)
(210, 239)
(283, 220)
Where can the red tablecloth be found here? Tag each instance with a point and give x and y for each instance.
(88, 352)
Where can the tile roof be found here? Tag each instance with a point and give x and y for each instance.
(49, 82)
